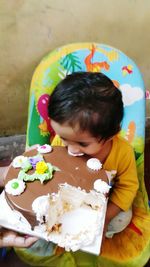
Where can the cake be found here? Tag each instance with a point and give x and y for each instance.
(73, 170)
(71, 187)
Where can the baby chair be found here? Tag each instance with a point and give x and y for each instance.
(131, 247)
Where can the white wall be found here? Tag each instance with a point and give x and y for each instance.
(29, 29)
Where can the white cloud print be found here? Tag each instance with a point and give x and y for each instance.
(130, 94)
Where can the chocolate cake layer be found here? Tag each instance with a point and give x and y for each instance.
(73, 170)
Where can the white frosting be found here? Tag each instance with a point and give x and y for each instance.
(75, 154)
(76, 238)
(44, 148)
(40, 206)
(77, 230)
(94, 164)
(18, 161)
(15, 187)
(101, 186)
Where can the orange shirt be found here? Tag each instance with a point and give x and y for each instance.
(121, 160)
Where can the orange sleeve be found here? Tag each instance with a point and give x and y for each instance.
(126, 182)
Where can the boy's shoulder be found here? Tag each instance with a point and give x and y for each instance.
(122, 143)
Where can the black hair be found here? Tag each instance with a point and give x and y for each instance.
(90, 100)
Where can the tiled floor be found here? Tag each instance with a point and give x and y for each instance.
(11, 260)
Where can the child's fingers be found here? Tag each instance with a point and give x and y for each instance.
(12, 239)
(29, 241)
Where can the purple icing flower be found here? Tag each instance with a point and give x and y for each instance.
(34, 160)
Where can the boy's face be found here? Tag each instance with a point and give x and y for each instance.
(77, 141)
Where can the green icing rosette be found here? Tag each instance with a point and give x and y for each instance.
(26, 165)
(44, 172)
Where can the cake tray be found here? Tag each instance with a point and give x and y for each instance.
(14, 220)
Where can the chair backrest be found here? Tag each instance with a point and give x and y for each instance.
(92, 57)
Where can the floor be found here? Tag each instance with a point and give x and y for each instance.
(11, 260)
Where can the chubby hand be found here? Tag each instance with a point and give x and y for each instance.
(112, 211)
(10, 238)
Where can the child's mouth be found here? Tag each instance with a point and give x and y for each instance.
(75, 154)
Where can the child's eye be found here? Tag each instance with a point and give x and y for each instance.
(83, 144)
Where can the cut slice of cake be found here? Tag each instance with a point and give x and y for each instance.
(73, 218)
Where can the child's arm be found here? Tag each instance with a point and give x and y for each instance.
(112, 211)
(126, 181)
